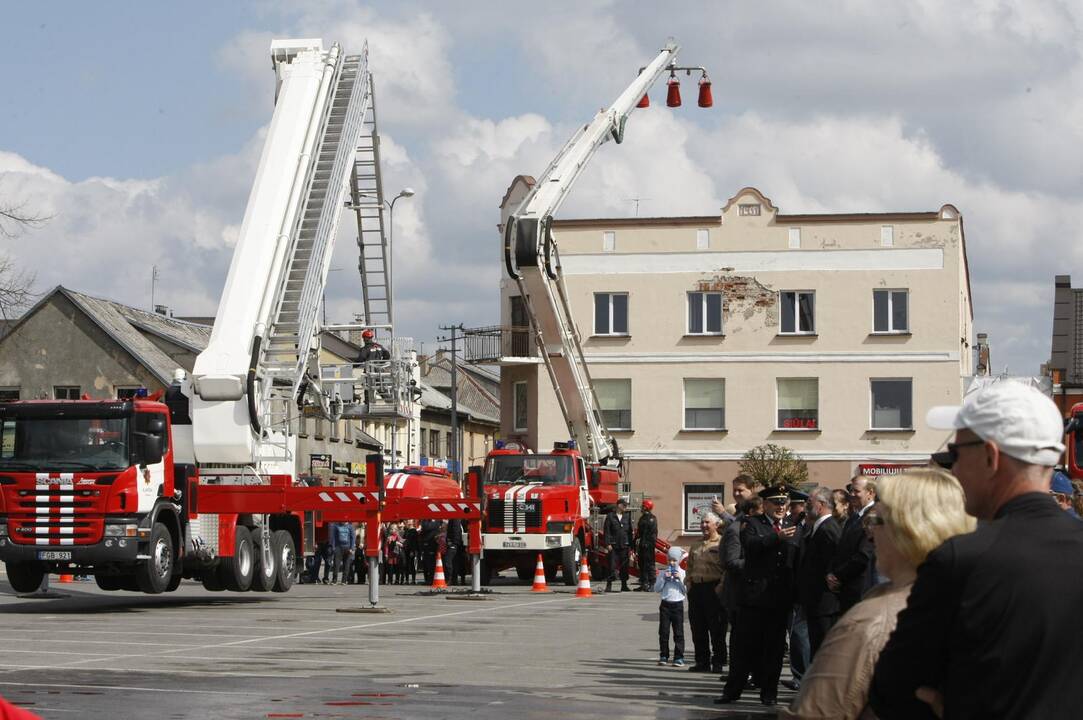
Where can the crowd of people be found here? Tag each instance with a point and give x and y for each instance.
(945, 591)
(407, 549)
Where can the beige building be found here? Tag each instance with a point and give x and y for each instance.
(706, 336)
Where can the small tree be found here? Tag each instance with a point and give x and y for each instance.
(771, 464)
(16, 285)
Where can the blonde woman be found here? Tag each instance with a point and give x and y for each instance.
(917, 511)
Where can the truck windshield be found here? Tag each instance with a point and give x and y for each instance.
(521, 469)
(63, 444)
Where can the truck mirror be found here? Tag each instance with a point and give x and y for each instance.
(374, 469)
(1072, 425)
(594, 477)
(155, 424)
(474, 479)
(151, 446)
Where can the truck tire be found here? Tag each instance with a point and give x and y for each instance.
(236, 572)
(265, 574)
(211, 580)
(285, 554)
(570, 558)
(174, 582)
(110, 582)
(153, 575)
(524, 573)
(25, 577)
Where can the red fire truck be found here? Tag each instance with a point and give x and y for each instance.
(552, 503)
(144, 492)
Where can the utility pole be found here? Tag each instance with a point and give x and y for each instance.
(153, 283)
(456, 450)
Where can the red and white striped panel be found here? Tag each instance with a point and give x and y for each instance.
(58, 507)
(452, 507)
(351, 496)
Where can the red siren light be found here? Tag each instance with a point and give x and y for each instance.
(673, 93)
(644, 101)
(706, 100)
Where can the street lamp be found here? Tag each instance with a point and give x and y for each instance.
(405, 192)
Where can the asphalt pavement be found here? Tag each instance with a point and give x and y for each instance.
(197, 654)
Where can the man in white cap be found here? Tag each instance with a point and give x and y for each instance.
(986, 630)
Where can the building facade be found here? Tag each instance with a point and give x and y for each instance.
(1065, 367)
(706, 336)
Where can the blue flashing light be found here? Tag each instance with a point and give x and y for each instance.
(571, 444)
(141, 392)
(498, 445)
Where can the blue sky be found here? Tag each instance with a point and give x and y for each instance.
(137, 126)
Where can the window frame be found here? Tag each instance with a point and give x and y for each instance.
(627, 313)
(796, 313)
(872, 405)
(684, 406)
(793, 238)
(703, 306)
(890, 311)
(601, 411)
(515, 405)
(609, 241)
(7, 389)
(703, 234)
(778, 427)
(67, 392)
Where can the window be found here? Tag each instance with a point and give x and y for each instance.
(519, 406)
(66, 392)
(520, 329)
(8, 394)
(889, 311)
(704, 404)
(797, 309)
(704, 313)
(892, 404)
(798, 403)
(610, 313)
(703, 239)
(126, 393)
(450, 445)
(421, 438)
(609, 241)
(697, 503)
(434, 443)
(795, 238)
(751, 209)
(887, 235)
(615, 400)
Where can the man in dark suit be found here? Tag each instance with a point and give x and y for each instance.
(427, 539)
(855, 554)
(766, 598)
(821, 606)
(618, 540)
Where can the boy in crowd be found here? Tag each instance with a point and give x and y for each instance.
(670, 585)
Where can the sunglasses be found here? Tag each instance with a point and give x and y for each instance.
(950, 456)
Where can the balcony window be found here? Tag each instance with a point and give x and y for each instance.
(704, 404)
(797, 310)
(798, 403)
(704, 313)
(610, 313)
(615, 401)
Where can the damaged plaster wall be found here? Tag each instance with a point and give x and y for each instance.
(743, 295)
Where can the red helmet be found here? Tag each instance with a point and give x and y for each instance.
(368, 334)
(648, 505)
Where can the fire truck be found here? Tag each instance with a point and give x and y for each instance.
(553, 503)
(200, 481)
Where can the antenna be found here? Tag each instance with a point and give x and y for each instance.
(636, 200)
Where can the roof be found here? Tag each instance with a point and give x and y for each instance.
(478, 392)
(433, 399)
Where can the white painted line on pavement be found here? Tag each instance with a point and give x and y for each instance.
(126, 687)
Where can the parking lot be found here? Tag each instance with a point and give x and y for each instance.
(196, 654)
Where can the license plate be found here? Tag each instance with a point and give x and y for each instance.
(515, 543)
(54, 555)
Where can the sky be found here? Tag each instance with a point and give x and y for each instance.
(136, 129)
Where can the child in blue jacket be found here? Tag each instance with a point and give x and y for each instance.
(670, 585)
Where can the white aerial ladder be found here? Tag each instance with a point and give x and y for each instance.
(532, 260)
(261, 362)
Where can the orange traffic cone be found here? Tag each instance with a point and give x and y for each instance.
(583, 591)
(66, 578)
(539, 577)
(438, 582)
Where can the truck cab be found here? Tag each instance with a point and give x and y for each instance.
(87, 485)
(542, 503)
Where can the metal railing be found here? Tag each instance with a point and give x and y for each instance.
(496, 342)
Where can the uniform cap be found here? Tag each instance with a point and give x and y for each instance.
(1022, 421)
(775, 492)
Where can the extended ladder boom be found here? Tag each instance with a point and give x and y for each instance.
(531, 258)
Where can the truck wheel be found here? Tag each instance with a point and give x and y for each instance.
(25, 577)
(153, 575)
(174, 582)
(236, 572)
(285, 554)
(570, 558)
(265, 575)
(524, 573)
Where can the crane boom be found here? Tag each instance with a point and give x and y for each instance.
(532, 260)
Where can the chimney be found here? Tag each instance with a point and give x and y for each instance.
(983, 354)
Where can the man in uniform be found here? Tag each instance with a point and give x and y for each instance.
(646, 537)
(371, 350)
(618, 540)
(765, 598)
